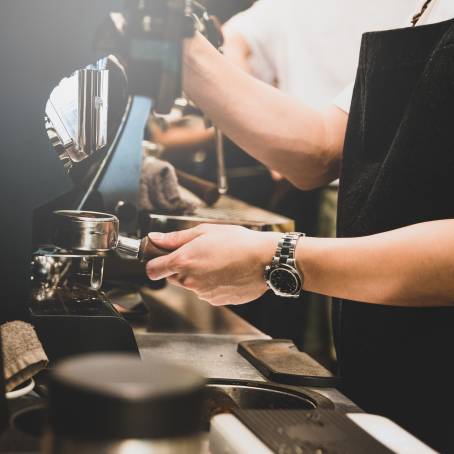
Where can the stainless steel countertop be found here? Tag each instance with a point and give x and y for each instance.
(212, 355)
(182, 328)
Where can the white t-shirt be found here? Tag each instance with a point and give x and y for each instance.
(311, 47)
(438, 11)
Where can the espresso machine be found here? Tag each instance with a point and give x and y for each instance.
(72, 150)
(95, 118)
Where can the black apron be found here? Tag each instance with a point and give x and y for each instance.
(398, 170)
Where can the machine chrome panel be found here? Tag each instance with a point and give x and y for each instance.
(77, 114)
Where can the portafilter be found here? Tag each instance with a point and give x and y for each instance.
(96, 233)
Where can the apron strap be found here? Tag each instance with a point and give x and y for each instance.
(418, 16)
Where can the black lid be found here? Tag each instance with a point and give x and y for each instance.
(117, 396)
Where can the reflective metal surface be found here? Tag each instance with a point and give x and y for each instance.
(93, 90)
(85, 231)
(47, 273)
(225, 395)
(223, 185)
(227, 210)
(97, 233)
(178, 311)
(77, 114)
(211, 28)
(192, 332)
(213, 356)
(53, 268)
(128, 247)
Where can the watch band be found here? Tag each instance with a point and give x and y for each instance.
(282, 276)
(285, 252)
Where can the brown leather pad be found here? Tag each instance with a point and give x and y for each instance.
(280, 360)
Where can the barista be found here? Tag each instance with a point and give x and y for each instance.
(392, 267)
(278, 43)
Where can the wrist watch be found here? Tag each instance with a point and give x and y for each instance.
(282, 276)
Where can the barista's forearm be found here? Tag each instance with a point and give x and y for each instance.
(413, 266)
(237, 49)
(297, 141)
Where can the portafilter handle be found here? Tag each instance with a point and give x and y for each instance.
(142, 250)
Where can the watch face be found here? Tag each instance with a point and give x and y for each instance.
(284, 281)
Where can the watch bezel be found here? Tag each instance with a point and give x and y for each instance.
(291, 270)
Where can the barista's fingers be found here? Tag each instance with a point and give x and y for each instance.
(175, 281)
(182, 281)
(161, 267)
(175, 240)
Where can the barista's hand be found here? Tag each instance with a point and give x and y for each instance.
(221, 264)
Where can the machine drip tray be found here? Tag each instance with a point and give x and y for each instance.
(223, 396)
(227, 396)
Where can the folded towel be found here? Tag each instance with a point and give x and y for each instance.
(23, 354)
(160, 191)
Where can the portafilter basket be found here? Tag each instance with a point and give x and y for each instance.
(91, 232)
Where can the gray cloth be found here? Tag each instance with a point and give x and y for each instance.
(160, 191)
(23, 354)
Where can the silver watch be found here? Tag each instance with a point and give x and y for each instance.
(282, 276)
